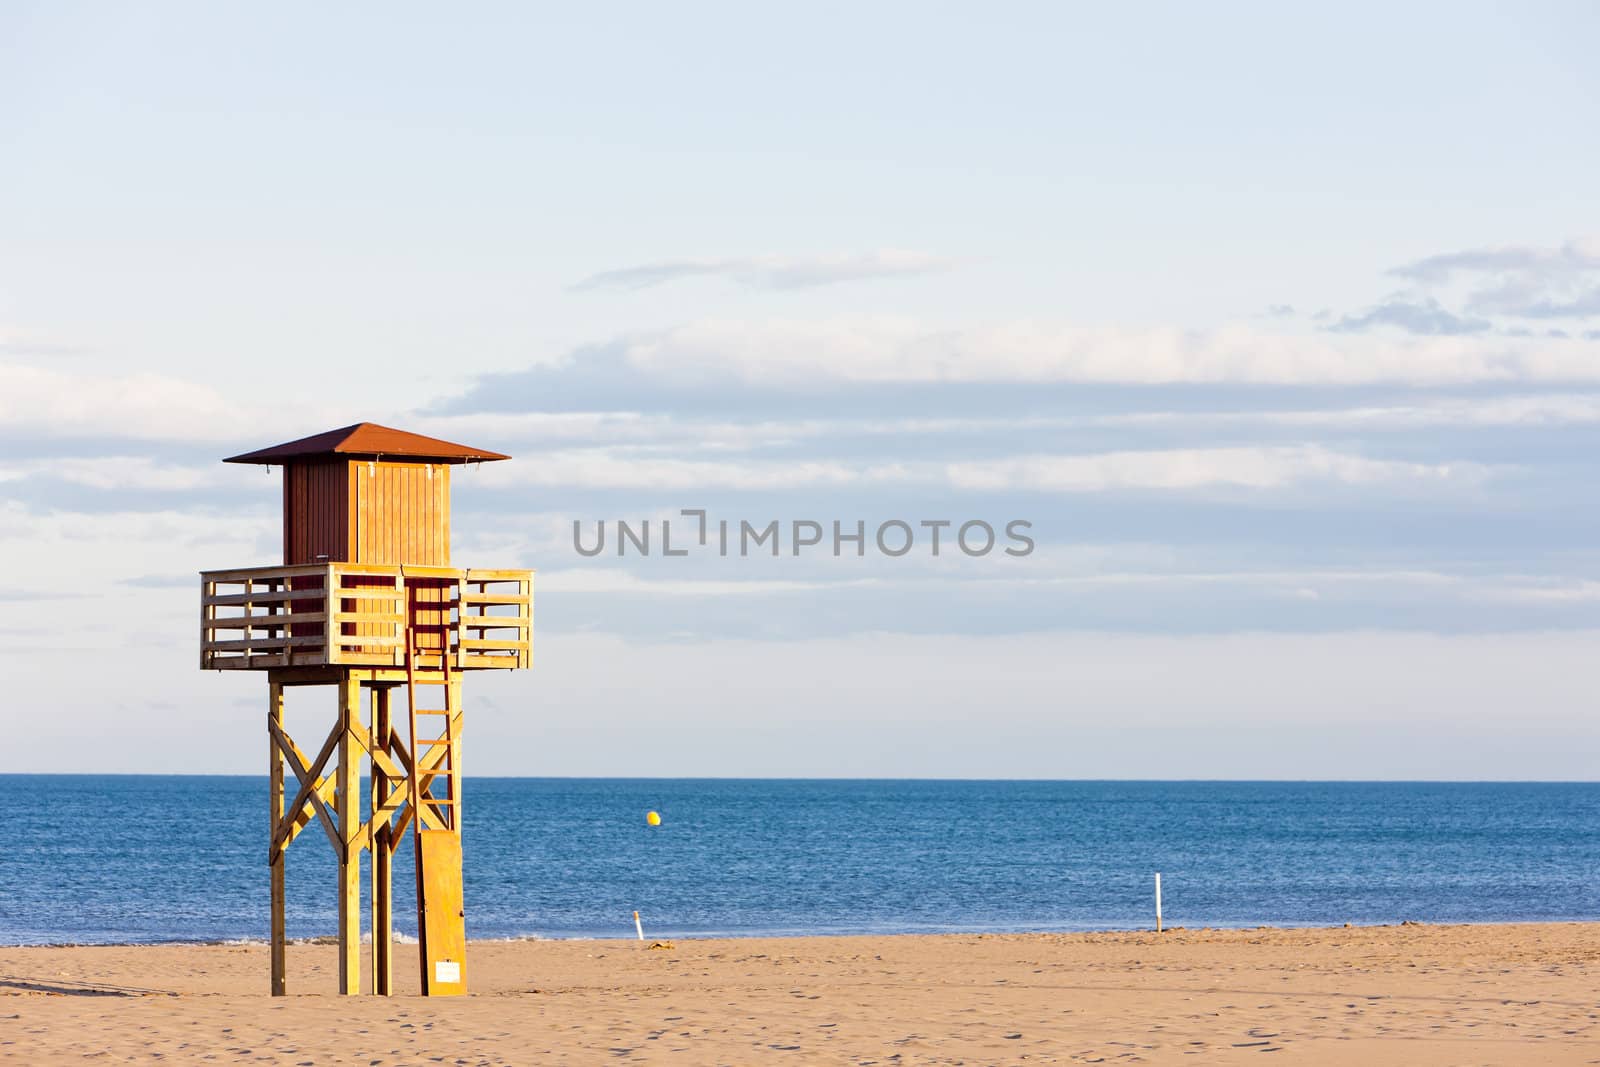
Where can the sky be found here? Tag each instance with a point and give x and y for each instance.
(1278, 326)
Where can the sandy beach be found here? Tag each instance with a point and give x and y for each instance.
(1505, 994)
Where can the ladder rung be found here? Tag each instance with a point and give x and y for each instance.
(433, 740)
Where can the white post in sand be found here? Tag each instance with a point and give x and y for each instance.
(1158, 903)
(638, 926)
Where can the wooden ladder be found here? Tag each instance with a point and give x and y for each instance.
(441, 918)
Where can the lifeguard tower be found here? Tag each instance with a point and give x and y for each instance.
(367, 601)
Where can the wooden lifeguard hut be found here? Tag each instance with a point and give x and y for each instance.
(366, 600)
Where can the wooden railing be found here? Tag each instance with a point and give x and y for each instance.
(357, 615)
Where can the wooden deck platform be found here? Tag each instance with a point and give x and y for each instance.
(354, 615)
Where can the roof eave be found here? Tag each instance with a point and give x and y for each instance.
(266, 457)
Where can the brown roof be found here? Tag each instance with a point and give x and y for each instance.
(371, 440)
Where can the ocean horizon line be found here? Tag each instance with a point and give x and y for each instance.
(941, 779)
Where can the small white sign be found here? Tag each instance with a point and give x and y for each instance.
(447, 972)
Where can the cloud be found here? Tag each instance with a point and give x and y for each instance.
(1538, 409)
(788, 373)
(884, 350)
(83, 550)
(1258, 468)
(1200, 468)
(1426, 317)
(1518, 281)
(604, 468)
(1579, 255)
(120, 472)
(57, 404)
(1584, 305)
(764, 382)
(1557, 590)
(598, 580)
(774, 272)
(727, 436)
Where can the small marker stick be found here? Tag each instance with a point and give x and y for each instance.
(638, 926)
(1158, 903)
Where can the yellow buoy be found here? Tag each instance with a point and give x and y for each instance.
(652, 819)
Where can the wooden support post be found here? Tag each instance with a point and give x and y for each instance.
(382, 855)
(455, 751)
(348, 799)
(276, 857)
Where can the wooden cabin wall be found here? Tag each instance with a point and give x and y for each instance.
(401, 513)
(316, 512)
(402, 516)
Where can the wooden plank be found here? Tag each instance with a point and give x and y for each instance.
(358, 641)
(262, 643)
(288, 513)
(318, 803)
(267, 622)
(364, 569)
(409, 519)
(382, 763)
(452, 730)
(371, 590)
(441, 926)
(240, 574)
(362, 576)
(352, 474)
(206, 613)
(420, 570)
(260, 662)
(271, 596)
(328, 675)
(367, 659)
(248, 589)
(382, 892)
(443, 504)
(396, 803)
(399, 802)
(479, 662)
(276, 856)
(387, 618)
(309, 775)
(308, 813)
(349, 799)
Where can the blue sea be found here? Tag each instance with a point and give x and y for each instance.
(92, 859)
